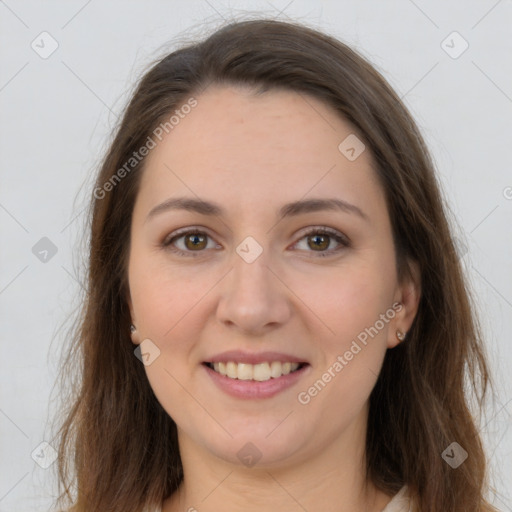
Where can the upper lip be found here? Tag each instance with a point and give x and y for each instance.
(239, 356)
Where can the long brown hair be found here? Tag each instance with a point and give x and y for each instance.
(118, 447)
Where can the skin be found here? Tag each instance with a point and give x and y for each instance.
(251, 154)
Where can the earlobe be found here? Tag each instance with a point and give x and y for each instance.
(134, 334)
(133, 329)
(396, 335)
(411, 294)
(408, 295)
(400, 335)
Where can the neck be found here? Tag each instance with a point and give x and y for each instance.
(331, 479)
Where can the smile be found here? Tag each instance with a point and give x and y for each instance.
(257, 372)
(255, 381)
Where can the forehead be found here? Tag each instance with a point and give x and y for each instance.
(245, 148)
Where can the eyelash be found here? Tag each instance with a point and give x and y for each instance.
(338, 237)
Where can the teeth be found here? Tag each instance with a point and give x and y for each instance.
(244, 371)
(275, 369)
(231, 370)
(259, 372)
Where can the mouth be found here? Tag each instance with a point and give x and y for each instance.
(249, 375)
(260, 372)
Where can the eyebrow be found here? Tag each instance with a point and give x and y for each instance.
(288, 210)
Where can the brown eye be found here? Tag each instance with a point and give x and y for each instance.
(323, 241)
(318, 242)
(189, 242)
(195, 241)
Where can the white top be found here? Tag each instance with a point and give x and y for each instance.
(399, 503)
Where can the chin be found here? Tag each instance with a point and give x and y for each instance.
(259, 446)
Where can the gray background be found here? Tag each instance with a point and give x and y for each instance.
(57, 114)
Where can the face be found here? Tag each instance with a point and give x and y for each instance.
(265, 273)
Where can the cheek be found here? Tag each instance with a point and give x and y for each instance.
(166, 304)
(169, 306)
(350, 302)
(347, 299)
(161, 296)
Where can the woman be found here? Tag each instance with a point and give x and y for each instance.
(276, 317)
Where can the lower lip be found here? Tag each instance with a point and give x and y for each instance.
(252, 388)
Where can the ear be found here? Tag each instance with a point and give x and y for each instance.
(408, 294)
(134, 334)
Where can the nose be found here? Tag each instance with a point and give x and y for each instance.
(253, 299)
